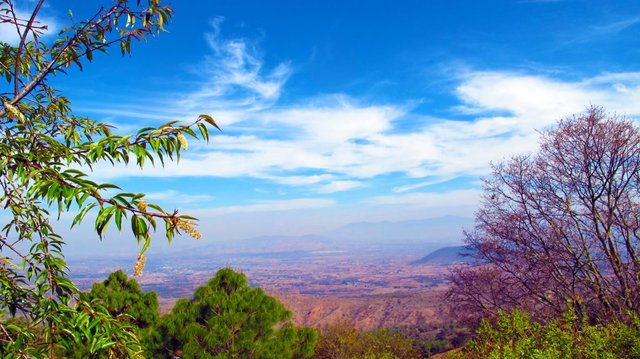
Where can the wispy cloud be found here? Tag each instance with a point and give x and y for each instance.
(9, 34)
(336, 142)
(268, 206)
(601, 31)
(234, 82)
(455, 198)
(339, 186)
(615, 26)
(400, 189)
(236, 76)
(178, 197)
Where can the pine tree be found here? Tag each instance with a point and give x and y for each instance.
(226, 318)
(125, 301)
(124, 298)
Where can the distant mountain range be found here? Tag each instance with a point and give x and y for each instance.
(442, 229)
(403, 238)
(406, 239)
(447, 256)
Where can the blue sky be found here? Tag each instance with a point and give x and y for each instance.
(341, 111)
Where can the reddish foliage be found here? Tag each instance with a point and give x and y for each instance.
(561, 227)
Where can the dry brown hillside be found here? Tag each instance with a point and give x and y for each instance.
(388, 310)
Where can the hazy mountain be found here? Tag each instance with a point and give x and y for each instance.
(442, 229)
(403, 237)
(447, 256)
(267, 244)
(393, 238)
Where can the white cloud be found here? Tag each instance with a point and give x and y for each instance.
(335, 142)
(178, 197)
(522, 96)
(9, 34)
(267, 206)
(400, 189)
(317, 141)
(234, 83)
(302, 180)
(338, 186)
(235, 76)
(455, 198)
(615, 26)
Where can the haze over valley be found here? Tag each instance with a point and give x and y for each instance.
(364, 271)
(320, 179)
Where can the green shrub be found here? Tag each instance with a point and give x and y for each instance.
(515, 335)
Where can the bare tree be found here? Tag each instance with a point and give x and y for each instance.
(560, 228)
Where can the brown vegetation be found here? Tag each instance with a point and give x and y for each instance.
(342, 340)
(391, 310)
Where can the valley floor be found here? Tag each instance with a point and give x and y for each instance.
(318, 287)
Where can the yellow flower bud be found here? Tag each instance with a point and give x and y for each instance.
(142, 206)
(139, 266)
(188, 227)
(183, 141)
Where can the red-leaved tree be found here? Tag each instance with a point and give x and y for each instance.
(560, 228)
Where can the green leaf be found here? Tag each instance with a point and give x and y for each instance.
(118, 218)
(210, 121)
(147, 242)
(134, 225)
(203, 131)
(78, 218)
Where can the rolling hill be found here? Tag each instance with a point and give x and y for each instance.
(447, 256)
